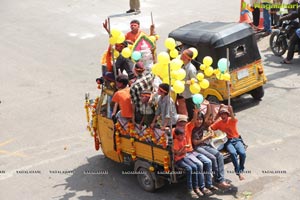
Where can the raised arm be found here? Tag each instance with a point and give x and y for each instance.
(231, 112)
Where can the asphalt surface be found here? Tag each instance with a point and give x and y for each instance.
(50, 54)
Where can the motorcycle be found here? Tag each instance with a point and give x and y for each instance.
(279, 39)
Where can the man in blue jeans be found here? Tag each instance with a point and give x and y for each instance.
(267, 17)
(234, 145)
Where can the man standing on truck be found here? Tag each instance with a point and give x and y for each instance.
(234, 145)
(191, 72)
(135, 31)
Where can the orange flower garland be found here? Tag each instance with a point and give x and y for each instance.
(166, 164)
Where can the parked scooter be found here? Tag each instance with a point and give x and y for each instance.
(279, 39)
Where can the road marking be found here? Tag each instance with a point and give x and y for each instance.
(6, 142)
(16, 153)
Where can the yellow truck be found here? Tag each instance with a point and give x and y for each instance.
(148, 150)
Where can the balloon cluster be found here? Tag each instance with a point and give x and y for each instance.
(202, 83)
(222, 72)
(117, 37)
(135, 55)
(170, 60)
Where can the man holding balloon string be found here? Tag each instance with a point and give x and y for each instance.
(135, 31)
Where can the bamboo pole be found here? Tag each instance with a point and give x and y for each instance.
(228, 82)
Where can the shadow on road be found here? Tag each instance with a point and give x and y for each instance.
(103, 179)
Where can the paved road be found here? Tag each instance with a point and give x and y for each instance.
(50, 52)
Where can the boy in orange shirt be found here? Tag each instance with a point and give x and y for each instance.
(181, 160)
(122, 99)
(201, 161)
(234, 145)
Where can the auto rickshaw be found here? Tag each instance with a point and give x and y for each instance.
(215, 39)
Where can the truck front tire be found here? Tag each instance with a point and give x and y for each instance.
(145, 179)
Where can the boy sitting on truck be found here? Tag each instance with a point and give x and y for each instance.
(199, 143)
(147, 109)
(165, 110)
(181, 160)
(122, 99)
(234, 145)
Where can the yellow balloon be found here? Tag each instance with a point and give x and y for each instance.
(174, 53)
(121, 38)
(202, 67)
(226, 77)
(115, 33)
(155, 69)
(178, 86)
(204, 84)
(173, 81)
(195, 52)
(195, 88)
(179, 57)
(180, 74)
(170, 43)
(217, 72)
(157, 37)
(207, 61)
(200, 76)
(166, 79)
(126, 52)
(152, 38)
(113, 40)
(163, 58)
(130, 46)
(174, 74)
(193, 80)
(163, 71)
(209, 71)
(116, 54)
(176, 64)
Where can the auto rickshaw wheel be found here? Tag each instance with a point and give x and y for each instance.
(258, 93)
(212, 99)
(145, 179)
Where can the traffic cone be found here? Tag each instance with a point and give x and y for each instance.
(261, 20)
(244, 16)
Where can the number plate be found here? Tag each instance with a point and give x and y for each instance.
(242, 74)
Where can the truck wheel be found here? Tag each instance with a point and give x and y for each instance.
(258, 93)
(145, 179)
(212, 99)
